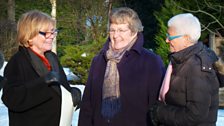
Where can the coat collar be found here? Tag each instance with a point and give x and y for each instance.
(183, 55)
(206, 55)
(137, 47)
(37, 63)
(39, 67)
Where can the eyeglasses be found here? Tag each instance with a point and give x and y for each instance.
(170, 38)
(119, 31)
(48, 34)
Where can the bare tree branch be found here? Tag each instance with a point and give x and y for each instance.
(197, 4)
(211, 6)
(204, 12)
(212, 16)
(206, 27)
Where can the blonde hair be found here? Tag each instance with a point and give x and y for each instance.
(30, 24)
(126, 15)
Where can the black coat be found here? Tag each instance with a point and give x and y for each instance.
(192, 99)
(141, 73)
(30, 101)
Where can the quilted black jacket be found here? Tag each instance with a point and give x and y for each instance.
(192, 99)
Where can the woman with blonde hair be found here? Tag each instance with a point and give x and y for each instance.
(36, 91)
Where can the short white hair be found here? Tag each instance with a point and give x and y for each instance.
(186, 24)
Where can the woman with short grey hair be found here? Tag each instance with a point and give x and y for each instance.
(189, 93)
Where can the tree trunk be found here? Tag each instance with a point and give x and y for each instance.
(109, 11)
(11, 10)
(53, 14)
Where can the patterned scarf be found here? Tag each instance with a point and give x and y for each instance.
(111, 86)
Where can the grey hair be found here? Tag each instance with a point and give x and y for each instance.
(186, 24)
(126, 15)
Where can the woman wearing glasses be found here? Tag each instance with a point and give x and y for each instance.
(189, 94)
(36, 91)
(124, 78)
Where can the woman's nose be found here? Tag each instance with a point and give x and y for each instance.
(115, 34)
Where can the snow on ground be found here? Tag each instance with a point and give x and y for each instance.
(220, 120)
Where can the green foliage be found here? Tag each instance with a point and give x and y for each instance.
(22, 6)
(145, 10)
(72, 58)
(83, 26)
(81, 21)
(3, 9)
(162, 16)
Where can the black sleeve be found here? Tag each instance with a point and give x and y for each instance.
(86, 111)
(20, 94)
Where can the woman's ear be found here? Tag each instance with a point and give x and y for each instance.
(188, 41)
(30, 42)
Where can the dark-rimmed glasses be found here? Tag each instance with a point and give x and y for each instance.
(48, 34)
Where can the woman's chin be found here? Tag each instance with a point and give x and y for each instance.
(48, 49)
(118, 47)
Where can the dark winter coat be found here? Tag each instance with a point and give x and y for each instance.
(192, 99)
(141, 73)
(30, 101)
